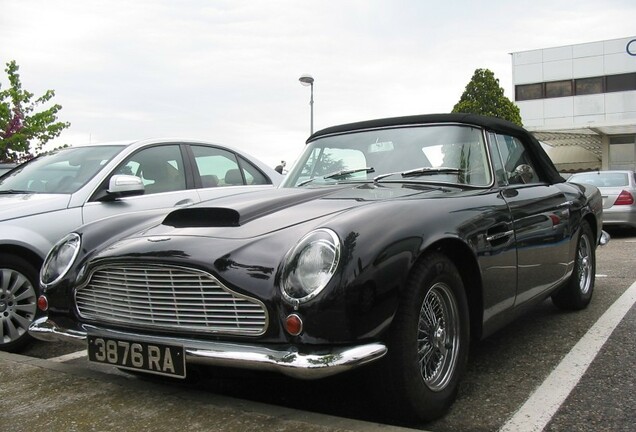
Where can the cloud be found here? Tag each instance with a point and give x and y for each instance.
(227, 71)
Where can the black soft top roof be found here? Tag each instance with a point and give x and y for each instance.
(490, 123)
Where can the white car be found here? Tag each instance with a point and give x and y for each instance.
(53, 194)
(618, 189)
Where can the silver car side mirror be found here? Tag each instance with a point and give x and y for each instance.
(123, 184)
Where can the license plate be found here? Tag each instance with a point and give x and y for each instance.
(156, 358)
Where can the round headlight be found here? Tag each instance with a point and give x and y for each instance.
(60, 259)
(310, 265)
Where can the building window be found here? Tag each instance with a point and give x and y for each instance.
(581, 86)
(587, 86)
(558, 89)
(529, 92)
(622, 82)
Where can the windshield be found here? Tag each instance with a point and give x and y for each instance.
(63, 171)
(601, 179)
(436, 153)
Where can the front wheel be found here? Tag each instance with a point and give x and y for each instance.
(577, 292)
(428, 347)
(18, 301)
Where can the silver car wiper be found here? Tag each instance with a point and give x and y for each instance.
(337, 174)
(14, 191)
(423, 171)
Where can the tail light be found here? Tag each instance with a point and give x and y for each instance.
(625, 198)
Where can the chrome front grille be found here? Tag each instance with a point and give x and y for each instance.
(167, 297)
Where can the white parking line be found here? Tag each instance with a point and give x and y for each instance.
(539, 409)
(68, 357)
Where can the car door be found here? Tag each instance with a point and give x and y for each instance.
(219, 172)
(168, 184)
(540, 218)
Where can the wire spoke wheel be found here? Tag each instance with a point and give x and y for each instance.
(584, 264)
(438, 336)
(577, 292)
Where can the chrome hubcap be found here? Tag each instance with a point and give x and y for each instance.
(17, 305)
(438, 337)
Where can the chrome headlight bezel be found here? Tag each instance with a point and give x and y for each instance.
(60, 259)
(310, 265)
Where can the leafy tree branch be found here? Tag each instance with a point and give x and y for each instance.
(25, 125)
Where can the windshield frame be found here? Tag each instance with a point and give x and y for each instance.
(360, 140)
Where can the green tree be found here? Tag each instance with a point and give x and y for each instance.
(25, 126)
(483, 95)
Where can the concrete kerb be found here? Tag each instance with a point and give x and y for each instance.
(46, 381)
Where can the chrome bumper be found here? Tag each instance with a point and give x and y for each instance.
(285, 359)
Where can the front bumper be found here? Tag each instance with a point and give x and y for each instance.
(288, 360)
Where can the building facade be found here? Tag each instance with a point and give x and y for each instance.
(580, 100)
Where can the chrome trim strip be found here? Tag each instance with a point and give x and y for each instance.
(287, 360)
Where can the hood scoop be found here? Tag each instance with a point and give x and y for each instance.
(203, 217)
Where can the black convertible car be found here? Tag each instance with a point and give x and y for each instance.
(389, 245)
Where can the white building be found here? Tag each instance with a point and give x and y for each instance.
(581, 100)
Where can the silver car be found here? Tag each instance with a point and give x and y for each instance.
(6, 167)
(618, 189)
(53, 194)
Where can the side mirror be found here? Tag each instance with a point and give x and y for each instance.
(523, 174)
(121, 185)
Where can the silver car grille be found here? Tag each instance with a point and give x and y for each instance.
(167, 297)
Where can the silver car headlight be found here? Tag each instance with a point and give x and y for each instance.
(310, 265)
(60, 259)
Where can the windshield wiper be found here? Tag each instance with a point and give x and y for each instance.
(428, 171)
(337, 174)
(423, 171)
(344, 173)
(14, 191)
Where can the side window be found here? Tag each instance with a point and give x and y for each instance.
(253, 176)
(160, 168)
(511, 155)
(217, 167)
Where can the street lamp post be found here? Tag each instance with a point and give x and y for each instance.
(308, 80)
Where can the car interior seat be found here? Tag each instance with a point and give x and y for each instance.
(165, 176)
(233, 177)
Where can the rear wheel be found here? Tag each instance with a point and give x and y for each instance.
(18, 301)
(577, 292)
(428, 348)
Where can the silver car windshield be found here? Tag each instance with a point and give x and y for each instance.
(60, 172)
(434, 153)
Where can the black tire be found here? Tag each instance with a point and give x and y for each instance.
(18, 301)
(427, 349)
(577, 292)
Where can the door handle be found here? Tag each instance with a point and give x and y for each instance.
(499, 236)
(184, 202)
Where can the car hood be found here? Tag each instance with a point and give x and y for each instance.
(256, 214)
(14, 206)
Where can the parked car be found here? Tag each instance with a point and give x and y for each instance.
(618, 189)
(6, 167)
(389, 245)
(51, 195)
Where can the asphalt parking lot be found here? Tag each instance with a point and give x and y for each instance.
(510, 383)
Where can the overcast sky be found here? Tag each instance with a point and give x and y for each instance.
(227, 71)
